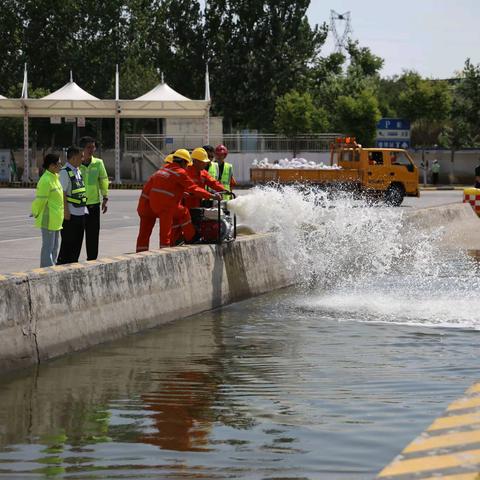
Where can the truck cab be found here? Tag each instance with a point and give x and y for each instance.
(386, 172)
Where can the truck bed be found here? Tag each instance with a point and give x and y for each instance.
(313, 176)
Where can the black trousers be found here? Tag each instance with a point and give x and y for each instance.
(72, 239)
(92, 230)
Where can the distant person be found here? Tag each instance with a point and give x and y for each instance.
(225, 170)
(47, 209)
(210, 152)
(75, 207)
(435, 171)
(96, 185)
(477, 176)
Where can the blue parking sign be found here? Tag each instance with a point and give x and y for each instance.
(393, 124)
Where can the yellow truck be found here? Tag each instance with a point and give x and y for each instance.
(387, 173)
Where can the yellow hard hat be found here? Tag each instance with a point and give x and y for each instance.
(184, 155)
(168, 159)
(200, 154)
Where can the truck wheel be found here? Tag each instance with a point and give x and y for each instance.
(394, 195)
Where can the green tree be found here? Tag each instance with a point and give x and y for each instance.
(466, 105)
(258, 51)
(362, 59)
(295, 114)
(358, 116)
(10, 45)
(426, 103)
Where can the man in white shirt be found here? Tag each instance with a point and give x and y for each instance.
(75, 208)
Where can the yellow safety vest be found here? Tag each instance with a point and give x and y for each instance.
(96, 180)
(77, 196)
(226, 178)
(47, 208)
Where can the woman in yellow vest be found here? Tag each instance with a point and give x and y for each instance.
(47, 208)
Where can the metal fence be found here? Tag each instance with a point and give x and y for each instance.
(236, 143)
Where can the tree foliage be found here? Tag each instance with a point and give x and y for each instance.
(265, 61)
(358, 116)
(295, 113)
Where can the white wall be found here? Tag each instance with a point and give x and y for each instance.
(192, 126)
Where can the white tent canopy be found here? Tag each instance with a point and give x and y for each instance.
(72, 101)
(162, 92)
(70, 91)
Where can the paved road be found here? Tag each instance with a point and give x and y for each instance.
(20, 242)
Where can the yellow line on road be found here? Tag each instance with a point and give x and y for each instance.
(467, 402)
(443, 441)
(455, 421)
(432, 462)
(460, 476)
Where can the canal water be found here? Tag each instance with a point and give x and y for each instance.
(328, 380)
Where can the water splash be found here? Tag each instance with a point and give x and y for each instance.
(365, 262)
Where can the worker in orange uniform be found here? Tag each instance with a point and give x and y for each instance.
(166, 192)
(147, 217)
(225, 170)
(200, 176)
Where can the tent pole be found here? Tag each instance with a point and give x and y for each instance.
(117, 125)
(117, 146)
(26, 141)
(207, 126)
(207, 98)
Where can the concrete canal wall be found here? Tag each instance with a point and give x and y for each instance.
(458, 224)
(52, 311)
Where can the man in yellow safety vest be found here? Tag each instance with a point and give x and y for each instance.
(96, 183)
(225, 170)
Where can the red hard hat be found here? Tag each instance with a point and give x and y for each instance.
(221, 150)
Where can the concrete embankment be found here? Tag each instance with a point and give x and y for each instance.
(52, 311)
(459, 225)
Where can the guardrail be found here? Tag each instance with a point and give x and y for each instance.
(236, 143)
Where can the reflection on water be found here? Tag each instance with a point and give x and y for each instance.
(269, 388)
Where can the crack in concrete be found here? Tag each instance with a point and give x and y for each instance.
(33, 327)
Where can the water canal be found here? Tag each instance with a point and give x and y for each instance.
(329, 380)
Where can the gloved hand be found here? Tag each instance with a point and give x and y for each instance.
(217, 196)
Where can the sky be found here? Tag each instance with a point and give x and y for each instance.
(432, 37)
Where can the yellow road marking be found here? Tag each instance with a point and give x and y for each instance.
(3, 277)
(442, 441)
(468, 402)
(59, 268)
(121, 258)
(460, 476)
(454, 421)
(107, 260)
(40, 271)
(474, 389)
(20, 274)
(433, 462)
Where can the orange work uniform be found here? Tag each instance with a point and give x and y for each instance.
(182, 223)
(168, 186)
(147, 218)
(203, 179)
